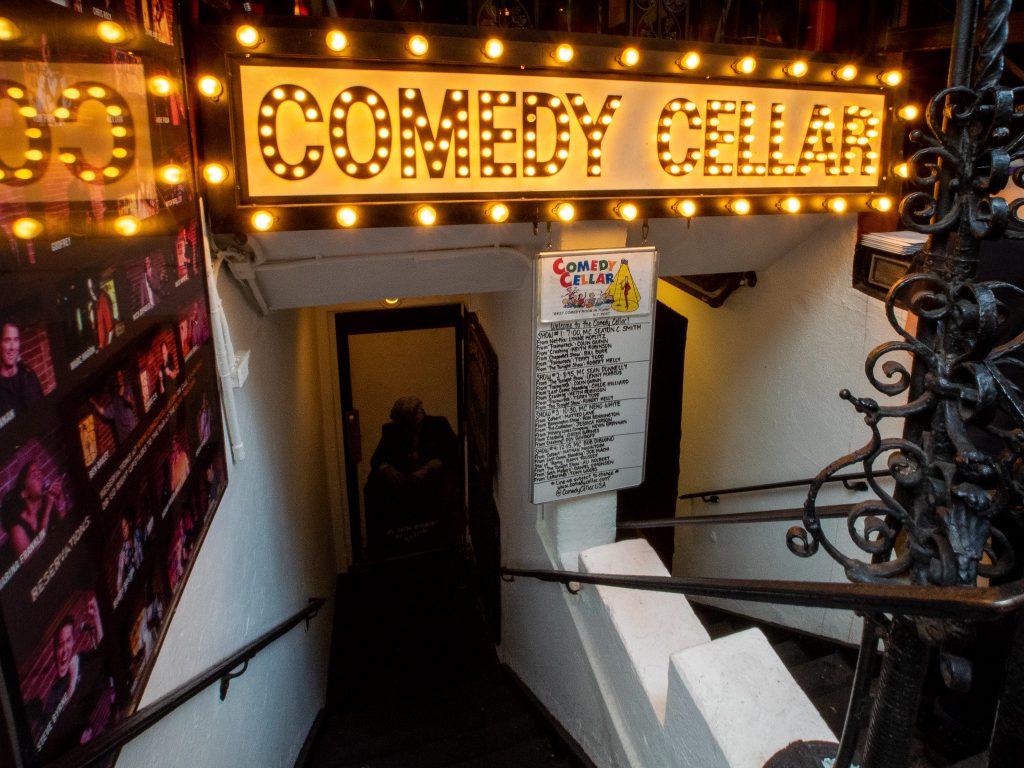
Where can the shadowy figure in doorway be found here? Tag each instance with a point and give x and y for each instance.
(412, 493)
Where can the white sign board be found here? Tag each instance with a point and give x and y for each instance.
(592, 365)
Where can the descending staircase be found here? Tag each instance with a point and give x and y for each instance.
(415, 682)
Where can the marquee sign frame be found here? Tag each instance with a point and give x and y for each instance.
(273, 160)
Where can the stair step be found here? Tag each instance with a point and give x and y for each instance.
(823, 675)
(791, 653)
(527, 754)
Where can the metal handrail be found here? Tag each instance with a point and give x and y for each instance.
(711, 497)
(909, 600)
(769, 516)
(120, 734)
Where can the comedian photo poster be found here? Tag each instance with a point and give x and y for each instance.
(112, 458)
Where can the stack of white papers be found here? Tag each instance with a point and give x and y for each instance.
(902, 243)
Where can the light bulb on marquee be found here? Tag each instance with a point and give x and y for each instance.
(629, 57)
(883, 204)
(564, 53)
(210, 87)
(892, 77)
(796, 68)
(262, 220)
(493, 48)
(160, 85)
(745, 66)
(627, 211)
(836, 204)
(248, 36)
(337, 41)
(417, 45)
(564, 211)
(847, 72)
(347, 217)
(171, 174)
(426, 215)
(686, 208)
(908, 112)
(690, 61)
(790, 205)
(740, 207)
(215, 173)
(498, 212)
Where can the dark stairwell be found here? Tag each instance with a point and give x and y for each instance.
(415, 681)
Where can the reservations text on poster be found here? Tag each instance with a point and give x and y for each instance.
(592, 351)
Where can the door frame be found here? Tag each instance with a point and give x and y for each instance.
(383, 321)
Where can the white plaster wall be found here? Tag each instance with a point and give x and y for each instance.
(760, 404)
(268, 550)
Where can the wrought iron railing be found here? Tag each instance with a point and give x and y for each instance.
(223, 672)
(853, 481)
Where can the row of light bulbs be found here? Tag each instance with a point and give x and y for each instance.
(493, 49)
(427, 215)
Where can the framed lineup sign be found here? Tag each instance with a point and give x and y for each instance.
(591, 370)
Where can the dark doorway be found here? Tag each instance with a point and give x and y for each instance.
(400, 374)
(656, 496)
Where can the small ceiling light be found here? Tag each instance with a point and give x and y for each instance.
(111, 32)
(790, 205)
(909, 112)
(127, 226)
(846, 72)
(417, 45)
(262, 220)
(564, 211)
(796, 68)
(902, 170)
(215, 173)
(26, 228)
(392, 302)
(498, 213)
(745, 66)
(172, 174)
(836, 204)
(564, 53)
(336, 41)
(690, 61)
(686, 208)
(883, 204)
(210, 87)
(740, 207)
(160, 85)
(493, 48)
(347, 217)
(892, 77)
(426, 215)
(629, 57)
(8, 30)
(626, 211)
(248, 36)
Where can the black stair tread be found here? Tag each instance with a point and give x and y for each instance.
(823, 675)
(459, 745)
(791, 653)
(537, 751)
(979, 760)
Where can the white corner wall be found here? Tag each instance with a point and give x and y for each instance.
(761, 383)
(267, 551)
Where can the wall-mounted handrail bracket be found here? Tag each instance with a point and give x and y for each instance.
(225, 681)
(710, 499)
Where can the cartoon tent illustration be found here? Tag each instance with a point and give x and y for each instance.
(622, 291)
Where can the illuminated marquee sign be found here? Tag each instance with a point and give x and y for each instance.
(396, 138)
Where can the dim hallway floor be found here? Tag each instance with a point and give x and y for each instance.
(415, 682)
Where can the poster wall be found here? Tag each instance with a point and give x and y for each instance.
(111, 456)
(592, 364)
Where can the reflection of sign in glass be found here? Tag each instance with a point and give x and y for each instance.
(74, 131)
